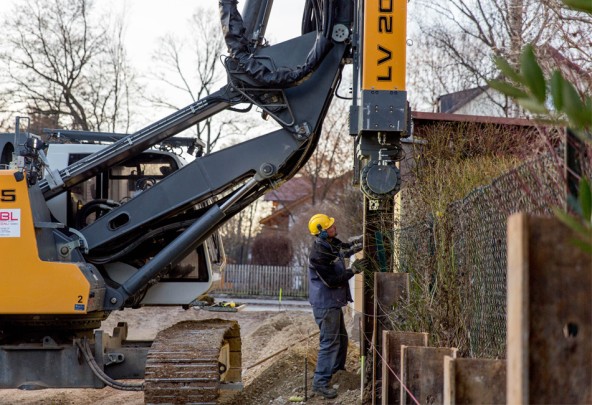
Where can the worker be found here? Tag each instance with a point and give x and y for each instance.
(328, 293)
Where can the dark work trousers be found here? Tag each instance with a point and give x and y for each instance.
(333, 344)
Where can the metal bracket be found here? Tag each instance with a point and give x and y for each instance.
(54, 180)
(373, 205)
(302, 131)
(65, 248)
(114, 358)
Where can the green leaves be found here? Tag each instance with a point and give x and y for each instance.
(533, 74)
(528, 86)
(574, 107)
(557, 90)
(507, 89)
(530, 89)
(585, 199)
(579, 5)
(582, 223)
(507, 70)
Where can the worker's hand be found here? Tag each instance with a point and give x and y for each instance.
(356, 240)
(357, 247)
(359, 266)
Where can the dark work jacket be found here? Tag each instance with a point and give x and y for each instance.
(326, 262)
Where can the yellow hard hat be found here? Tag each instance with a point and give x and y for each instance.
(319, 220)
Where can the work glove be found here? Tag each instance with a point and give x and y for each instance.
(356, 243)
(356, 240)
(359, 266)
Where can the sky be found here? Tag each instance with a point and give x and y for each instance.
(148, 20)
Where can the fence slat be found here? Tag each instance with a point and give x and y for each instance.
(248, 279)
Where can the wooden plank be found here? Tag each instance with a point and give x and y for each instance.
(390, 289)
(378, 249)
(474, 381)
(422, 372)
(391, 366)
(549, 349)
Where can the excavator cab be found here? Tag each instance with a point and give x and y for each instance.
(83, 204)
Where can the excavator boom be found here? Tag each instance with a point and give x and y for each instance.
(144, 249)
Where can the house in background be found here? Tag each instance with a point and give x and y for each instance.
(294, 197)
(482, 101)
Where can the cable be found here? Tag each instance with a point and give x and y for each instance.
(238, 46)
(85, 350)
(393, 372)
(374, 349)
(280, 351)
(337, 88)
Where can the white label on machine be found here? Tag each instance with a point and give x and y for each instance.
(10, 223)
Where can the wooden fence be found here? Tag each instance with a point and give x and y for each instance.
(256, 280)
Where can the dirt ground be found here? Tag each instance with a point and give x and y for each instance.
(277, 381)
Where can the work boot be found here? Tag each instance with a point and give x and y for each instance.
(326, 392)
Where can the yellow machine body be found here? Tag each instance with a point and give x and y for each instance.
(384, 42)
(29, 285)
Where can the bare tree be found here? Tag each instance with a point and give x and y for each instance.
(238, 233)
(429, 74)
(190, 67)
(468, 33)
(333, 155)
(59, 62)
(4, 124)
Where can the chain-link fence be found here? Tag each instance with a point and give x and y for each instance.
(457, 261)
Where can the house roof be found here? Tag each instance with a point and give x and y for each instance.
(553, 53)
(449, 103)
(291, 190)
(426, 118)
(284, 211)
(296, 188)
(296, 192)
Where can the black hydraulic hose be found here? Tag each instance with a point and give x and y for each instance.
(100, 374)
(312, 13)
(192, 237)
(328, 14)
(238, 47)
(92, 206)
(144, 237)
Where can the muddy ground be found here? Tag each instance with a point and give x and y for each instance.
(274, 381)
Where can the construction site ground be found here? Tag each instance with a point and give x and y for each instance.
(264, 331)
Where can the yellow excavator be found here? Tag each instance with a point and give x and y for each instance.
(120, 227)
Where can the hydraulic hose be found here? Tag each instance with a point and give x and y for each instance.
(100, 374)
(238, 46)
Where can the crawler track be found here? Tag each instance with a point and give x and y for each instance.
(183, 363)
